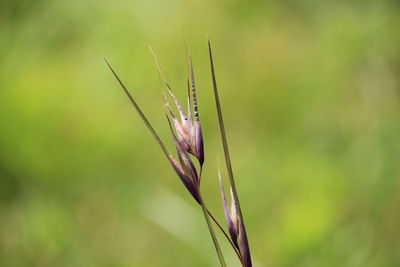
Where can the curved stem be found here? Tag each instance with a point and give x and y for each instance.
(227, 237)
(220, 227)
(214, 238)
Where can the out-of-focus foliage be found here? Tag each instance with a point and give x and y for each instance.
(311, 96)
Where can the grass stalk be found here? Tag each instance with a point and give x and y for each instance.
(167, 154)
(226, 236)
(226, 149)
(212, 233)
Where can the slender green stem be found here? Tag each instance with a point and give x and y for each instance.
(227, 237)
(210, 228)
(219, 226)
(226, 151)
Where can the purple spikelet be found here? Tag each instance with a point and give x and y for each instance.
(186, 132)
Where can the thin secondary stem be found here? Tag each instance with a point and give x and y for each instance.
(219, 225)
(214, 238)
(227, 237)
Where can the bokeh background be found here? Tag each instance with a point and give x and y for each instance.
(311, 96)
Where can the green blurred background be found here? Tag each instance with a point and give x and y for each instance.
(311, 96)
